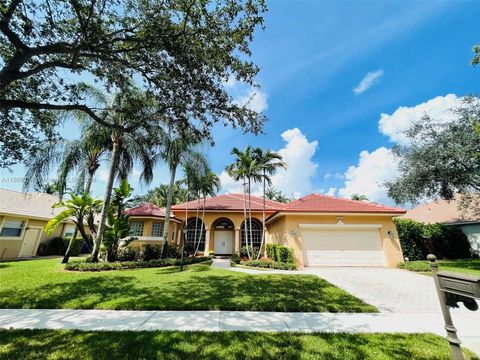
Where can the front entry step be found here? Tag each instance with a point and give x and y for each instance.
(223, 256)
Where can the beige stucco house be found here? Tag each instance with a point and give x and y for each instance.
(322, 230)
(22, 219)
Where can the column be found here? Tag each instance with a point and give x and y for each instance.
(179, 237)
(207, 242)
(237, 242)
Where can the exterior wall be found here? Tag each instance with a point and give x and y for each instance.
(147, 231)
(281, 232)
(211, 217)
(472, 231)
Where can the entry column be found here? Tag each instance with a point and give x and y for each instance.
(207, 242)
(237, 242)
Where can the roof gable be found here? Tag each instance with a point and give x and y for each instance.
(34, 205)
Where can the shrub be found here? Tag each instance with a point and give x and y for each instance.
(125, 265)
(271, 251)
(253, 252)
(418, 240)
(269, 264)
(150, 252)
(128, 253)
(57, 246)
(76, 248)
(284, 254)
(172, 251)
(236, 259)
(420, 266)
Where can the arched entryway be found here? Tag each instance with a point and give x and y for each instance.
(223, 237)
(254, 236)
(195, 235)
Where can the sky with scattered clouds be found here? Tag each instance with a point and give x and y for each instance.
(339, 82)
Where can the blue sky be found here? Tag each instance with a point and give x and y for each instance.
(313, 55)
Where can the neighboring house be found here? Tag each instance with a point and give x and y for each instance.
(447, 212)
(22, 219)
(322, 230)
(147, 224)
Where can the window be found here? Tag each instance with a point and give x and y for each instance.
(157, 229)
(136, 228)
(223, 224)
(256, 238)
(12, 228)
(69, 230)
(195, 235)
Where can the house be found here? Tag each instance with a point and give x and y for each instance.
(22, 219)
(322, 230)
(448, 213)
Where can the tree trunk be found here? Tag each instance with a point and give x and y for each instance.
(107, 197)
(263, 222)
(201, 229)
(184, 230)
(66, 257)
(168, 208)
(250, 214)
(245, 230)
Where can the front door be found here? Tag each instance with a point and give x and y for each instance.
(223, 242)
(30, 243)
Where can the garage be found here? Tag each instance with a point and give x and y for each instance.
(350, 246)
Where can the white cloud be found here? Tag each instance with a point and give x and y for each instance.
(439, 109)
(372, 78)
(296, 180)
(255, 100)
(103, 175)
(331, 191)
(369, 175)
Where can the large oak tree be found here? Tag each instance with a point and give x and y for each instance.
(180, 51)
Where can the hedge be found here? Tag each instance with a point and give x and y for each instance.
(280, 253)
(125, 265)
(269, 264)
(418, 240)
(419, 266)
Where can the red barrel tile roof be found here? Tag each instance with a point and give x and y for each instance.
(324, 203)
(146, 210)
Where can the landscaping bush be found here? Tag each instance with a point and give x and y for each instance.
(269, 264)
(128, 253)
(284, 254)
(172, 251)
(57, 246)
(253, 252)
(150, 252)
(271, 251)
(124, 265)
(236, 259)
(419, 266)
(418, 240)
(76, 248)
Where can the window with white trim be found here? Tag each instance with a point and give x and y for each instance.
(12, 228)
(136, 228)
(157, 229)
(69, 230)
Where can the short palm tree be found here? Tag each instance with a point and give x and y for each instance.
(209, 186)
(269, 162)
(246, 168)
(359, 197)
(176, 150)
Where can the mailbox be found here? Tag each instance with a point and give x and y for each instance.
(453, 288)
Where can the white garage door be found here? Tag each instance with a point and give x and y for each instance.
(342, 248)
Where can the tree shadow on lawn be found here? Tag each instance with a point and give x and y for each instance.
(67, 344)
(198, 288)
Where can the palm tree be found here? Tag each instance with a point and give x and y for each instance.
(159, 195)
(177, 149)
(359, 197)
(269, 162)
(245, 168)
(209, 186)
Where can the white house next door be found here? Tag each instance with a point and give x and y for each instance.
(223, 242)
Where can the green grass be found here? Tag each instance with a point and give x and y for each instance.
(467, 266)
(67, 344)
(43, 284)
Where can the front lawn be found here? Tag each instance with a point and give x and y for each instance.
(65, 344)
(466, 266)
(44, 284)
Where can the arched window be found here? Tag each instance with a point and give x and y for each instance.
(223, 224)
(256, 234)
(195, 233)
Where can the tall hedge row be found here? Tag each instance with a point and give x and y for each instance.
(280, 253)
(418, 240)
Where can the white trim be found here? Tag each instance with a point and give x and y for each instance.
(280, 214)
(340, 226)
(22, 233)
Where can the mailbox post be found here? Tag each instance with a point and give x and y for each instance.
(453, 288)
